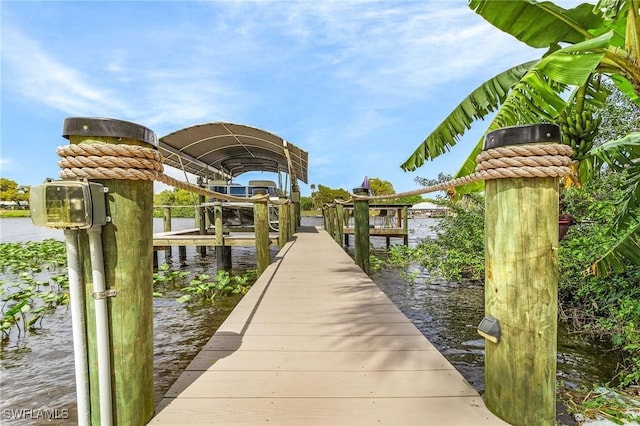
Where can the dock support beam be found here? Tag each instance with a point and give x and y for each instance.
(127, 245)
(261, 223)
(339, 235)
(521, 289)
(283, 224)
(202, 218)
(361, 229)
(223, 253)
(166, 226)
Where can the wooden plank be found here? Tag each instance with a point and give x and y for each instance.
(234, 341)
(457, 411)
(327, 384)
(378, 360)
(206, 240)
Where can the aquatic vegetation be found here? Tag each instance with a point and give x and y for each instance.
(34, 284)
(206, 288)
(202, 287)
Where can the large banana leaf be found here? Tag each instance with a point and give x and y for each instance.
(482, 101)
(536, 97)
(539, 25)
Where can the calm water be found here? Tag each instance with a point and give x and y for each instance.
(37, 371)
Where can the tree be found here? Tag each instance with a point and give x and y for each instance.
(326, 195)
(11, 191)
(583, 45)
(381, 187)
(306, 203)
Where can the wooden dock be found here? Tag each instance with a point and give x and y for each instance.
(316, 342)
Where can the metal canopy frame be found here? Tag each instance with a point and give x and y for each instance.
(223, 150)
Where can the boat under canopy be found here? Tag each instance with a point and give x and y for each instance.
(219, 152)
(224, 150)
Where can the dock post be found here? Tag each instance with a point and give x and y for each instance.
(166, 226)
(283, 224)
(295, 198)
(127, 257)
(361, 229)
(405, 224)
(202, 218)
(339, 223)
(261, 223)
(223, 253)
(292, 219)
(331, 220)
(521, 287)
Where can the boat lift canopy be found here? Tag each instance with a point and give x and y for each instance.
(225, 150)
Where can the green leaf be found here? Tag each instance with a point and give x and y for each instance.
(482, 101)
(184, 299)
(540, 25)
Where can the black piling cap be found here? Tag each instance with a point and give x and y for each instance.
(361, 191)
(518, 135)
(109, 127)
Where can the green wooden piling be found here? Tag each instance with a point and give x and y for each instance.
(201, 214)
(261, 223)
(339, 223)
(127, 243)
(223, 253)
(295, 199)
(521, 289)
(292, 219)
(166, 225)
(405, 224)
(331, 220)
(283, 224)
(166, 218)
(361, 229)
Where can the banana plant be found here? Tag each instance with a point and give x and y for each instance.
(583, 44)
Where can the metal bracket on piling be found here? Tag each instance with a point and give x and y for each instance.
(104, 294)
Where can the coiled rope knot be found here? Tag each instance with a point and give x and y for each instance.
(108, 161)
(539, 160)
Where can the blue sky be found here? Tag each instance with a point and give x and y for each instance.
(357, 84)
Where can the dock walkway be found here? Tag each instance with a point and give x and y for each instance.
(316, 342)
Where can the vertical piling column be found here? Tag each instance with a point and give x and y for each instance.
(405, 224)
(331, 220)
(295, 198)
(261, 223)
(292, 219)
(223, 253)
(127, 243)
(521, 287)
(202, 219)
(283, 224)
(339, 223)
(361, 229)
(166, 226)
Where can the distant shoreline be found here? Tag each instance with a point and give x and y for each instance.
(14, 213)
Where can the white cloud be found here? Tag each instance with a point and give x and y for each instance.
(36, 75)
